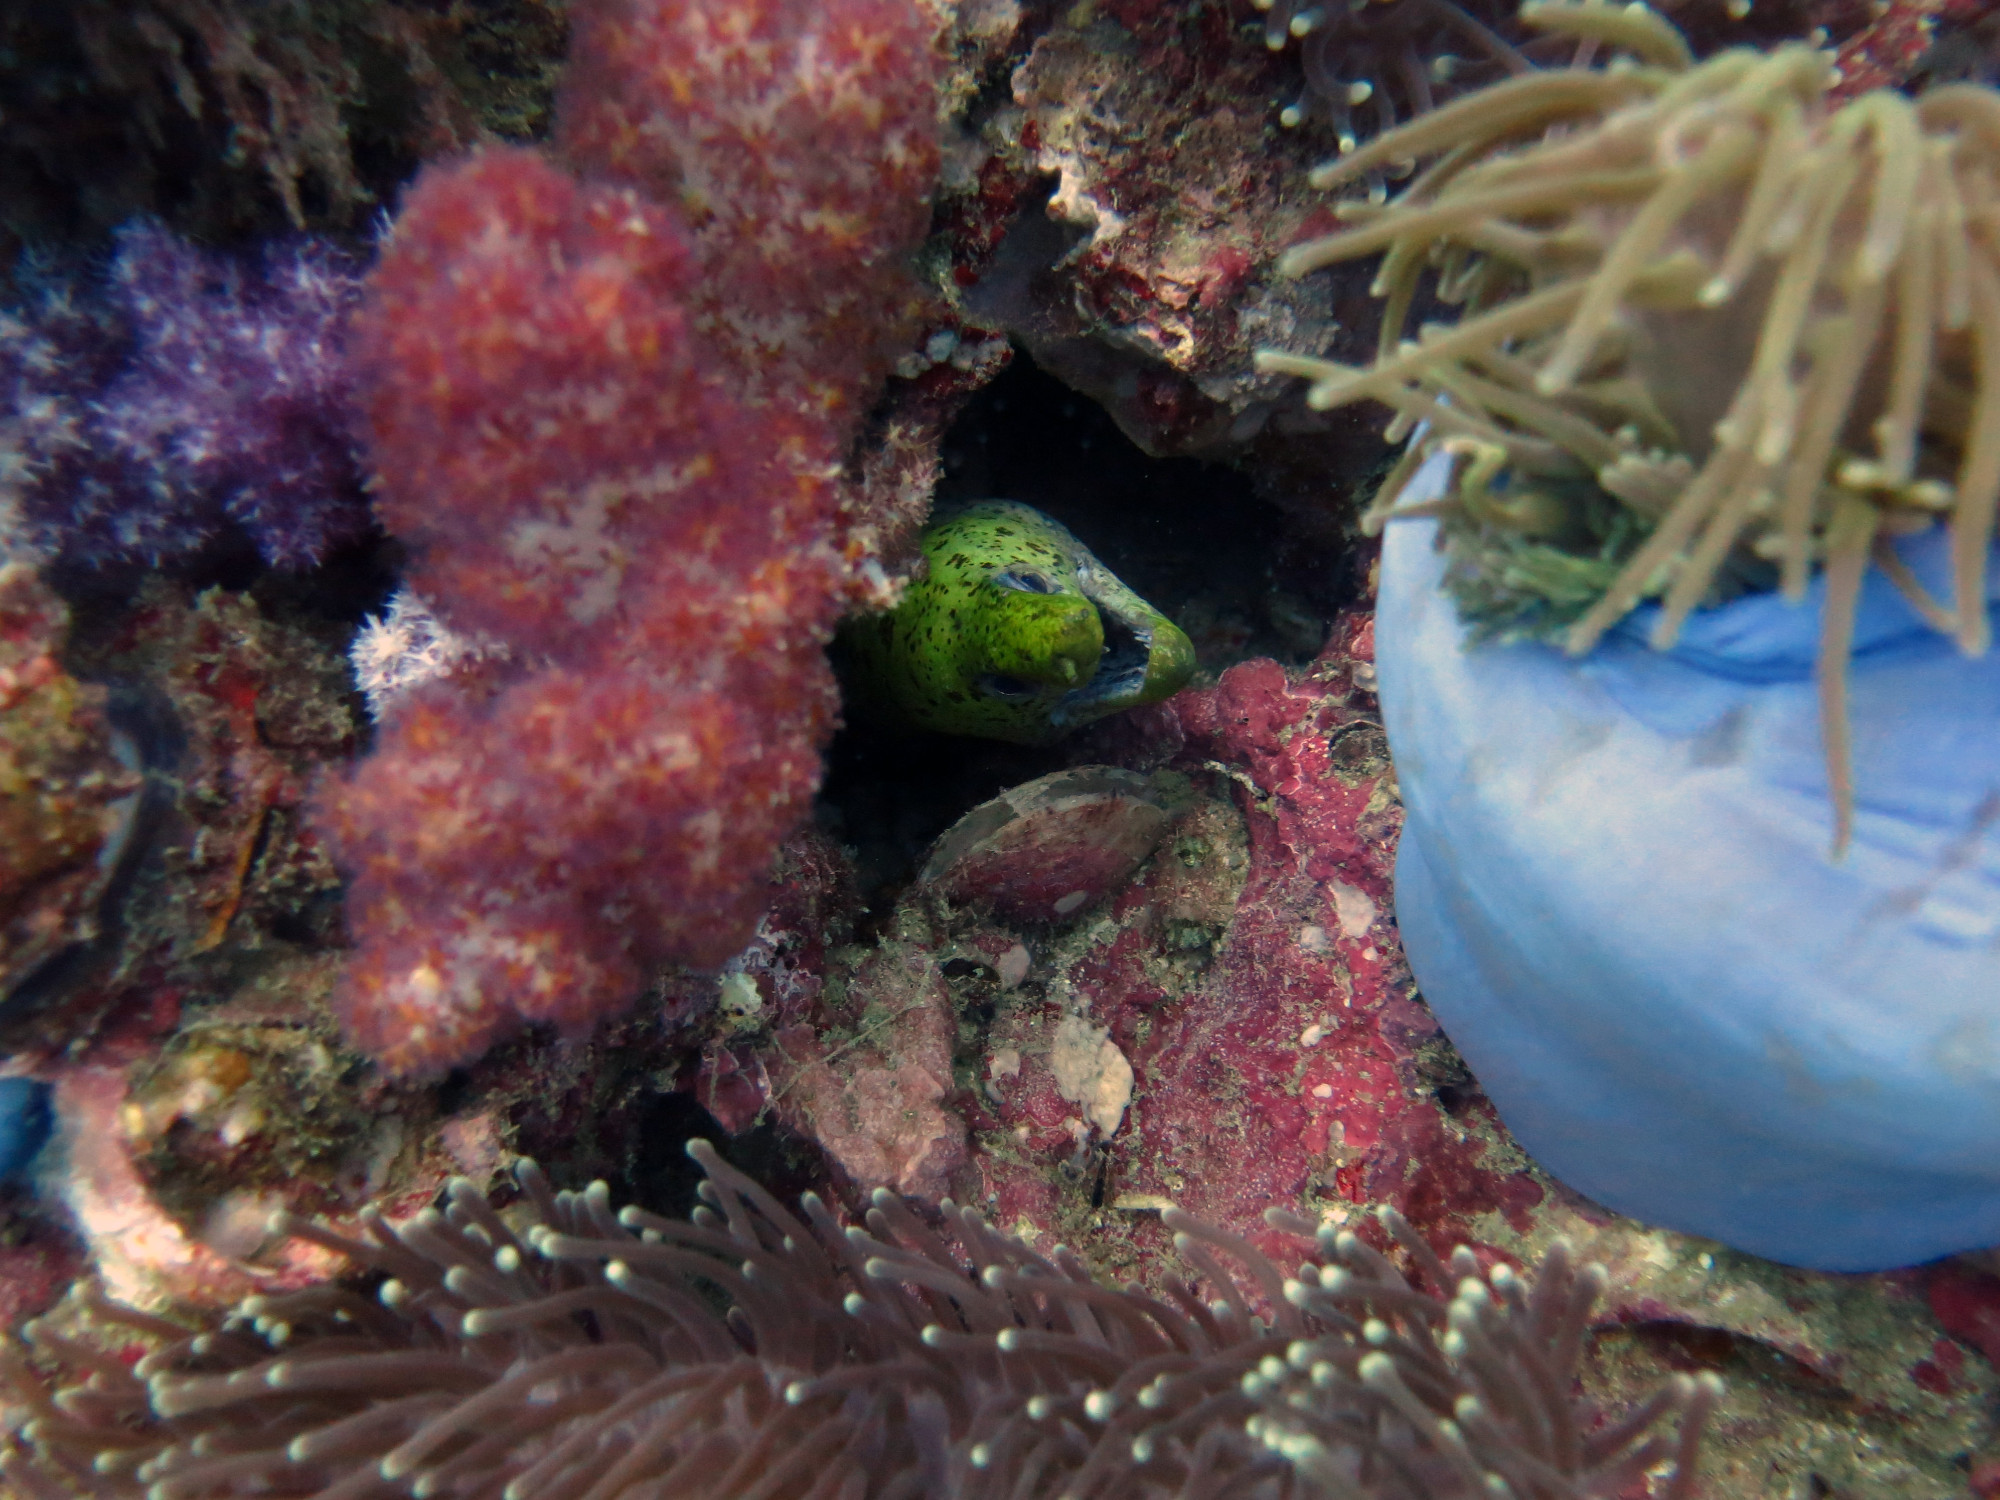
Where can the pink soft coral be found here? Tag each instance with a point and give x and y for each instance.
(798, 139)
(566, 443)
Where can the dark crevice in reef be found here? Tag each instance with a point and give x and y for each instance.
(888, 796)
(1190, 536)
(353, 581)
(665, 1178)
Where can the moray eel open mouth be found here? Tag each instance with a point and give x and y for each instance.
(1120, 681)
(1017, 633)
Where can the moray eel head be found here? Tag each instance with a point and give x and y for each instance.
(1017, 633)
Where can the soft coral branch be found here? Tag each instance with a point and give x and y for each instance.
(798, 140)
(190, 391)
(595, 474)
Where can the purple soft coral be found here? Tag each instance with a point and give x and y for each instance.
(192, 391)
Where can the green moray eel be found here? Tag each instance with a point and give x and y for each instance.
(1017, 633)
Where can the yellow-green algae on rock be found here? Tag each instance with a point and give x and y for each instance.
(1015, 633)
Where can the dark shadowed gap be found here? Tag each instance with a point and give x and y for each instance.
(1190, 536)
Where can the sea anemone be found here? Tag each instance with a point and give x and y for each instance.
(1720, 332)
(555, 1350)
(1368, 62)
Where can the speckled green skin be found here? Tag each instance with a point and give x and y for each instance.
(1006, 637)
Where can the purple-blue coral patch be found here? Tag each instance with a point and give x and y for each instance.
(145, 411)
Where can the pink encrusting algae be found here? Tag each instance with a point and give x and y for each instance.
(557, 415)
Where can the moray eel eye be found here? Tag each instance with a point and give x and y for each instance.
(1026, 583)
